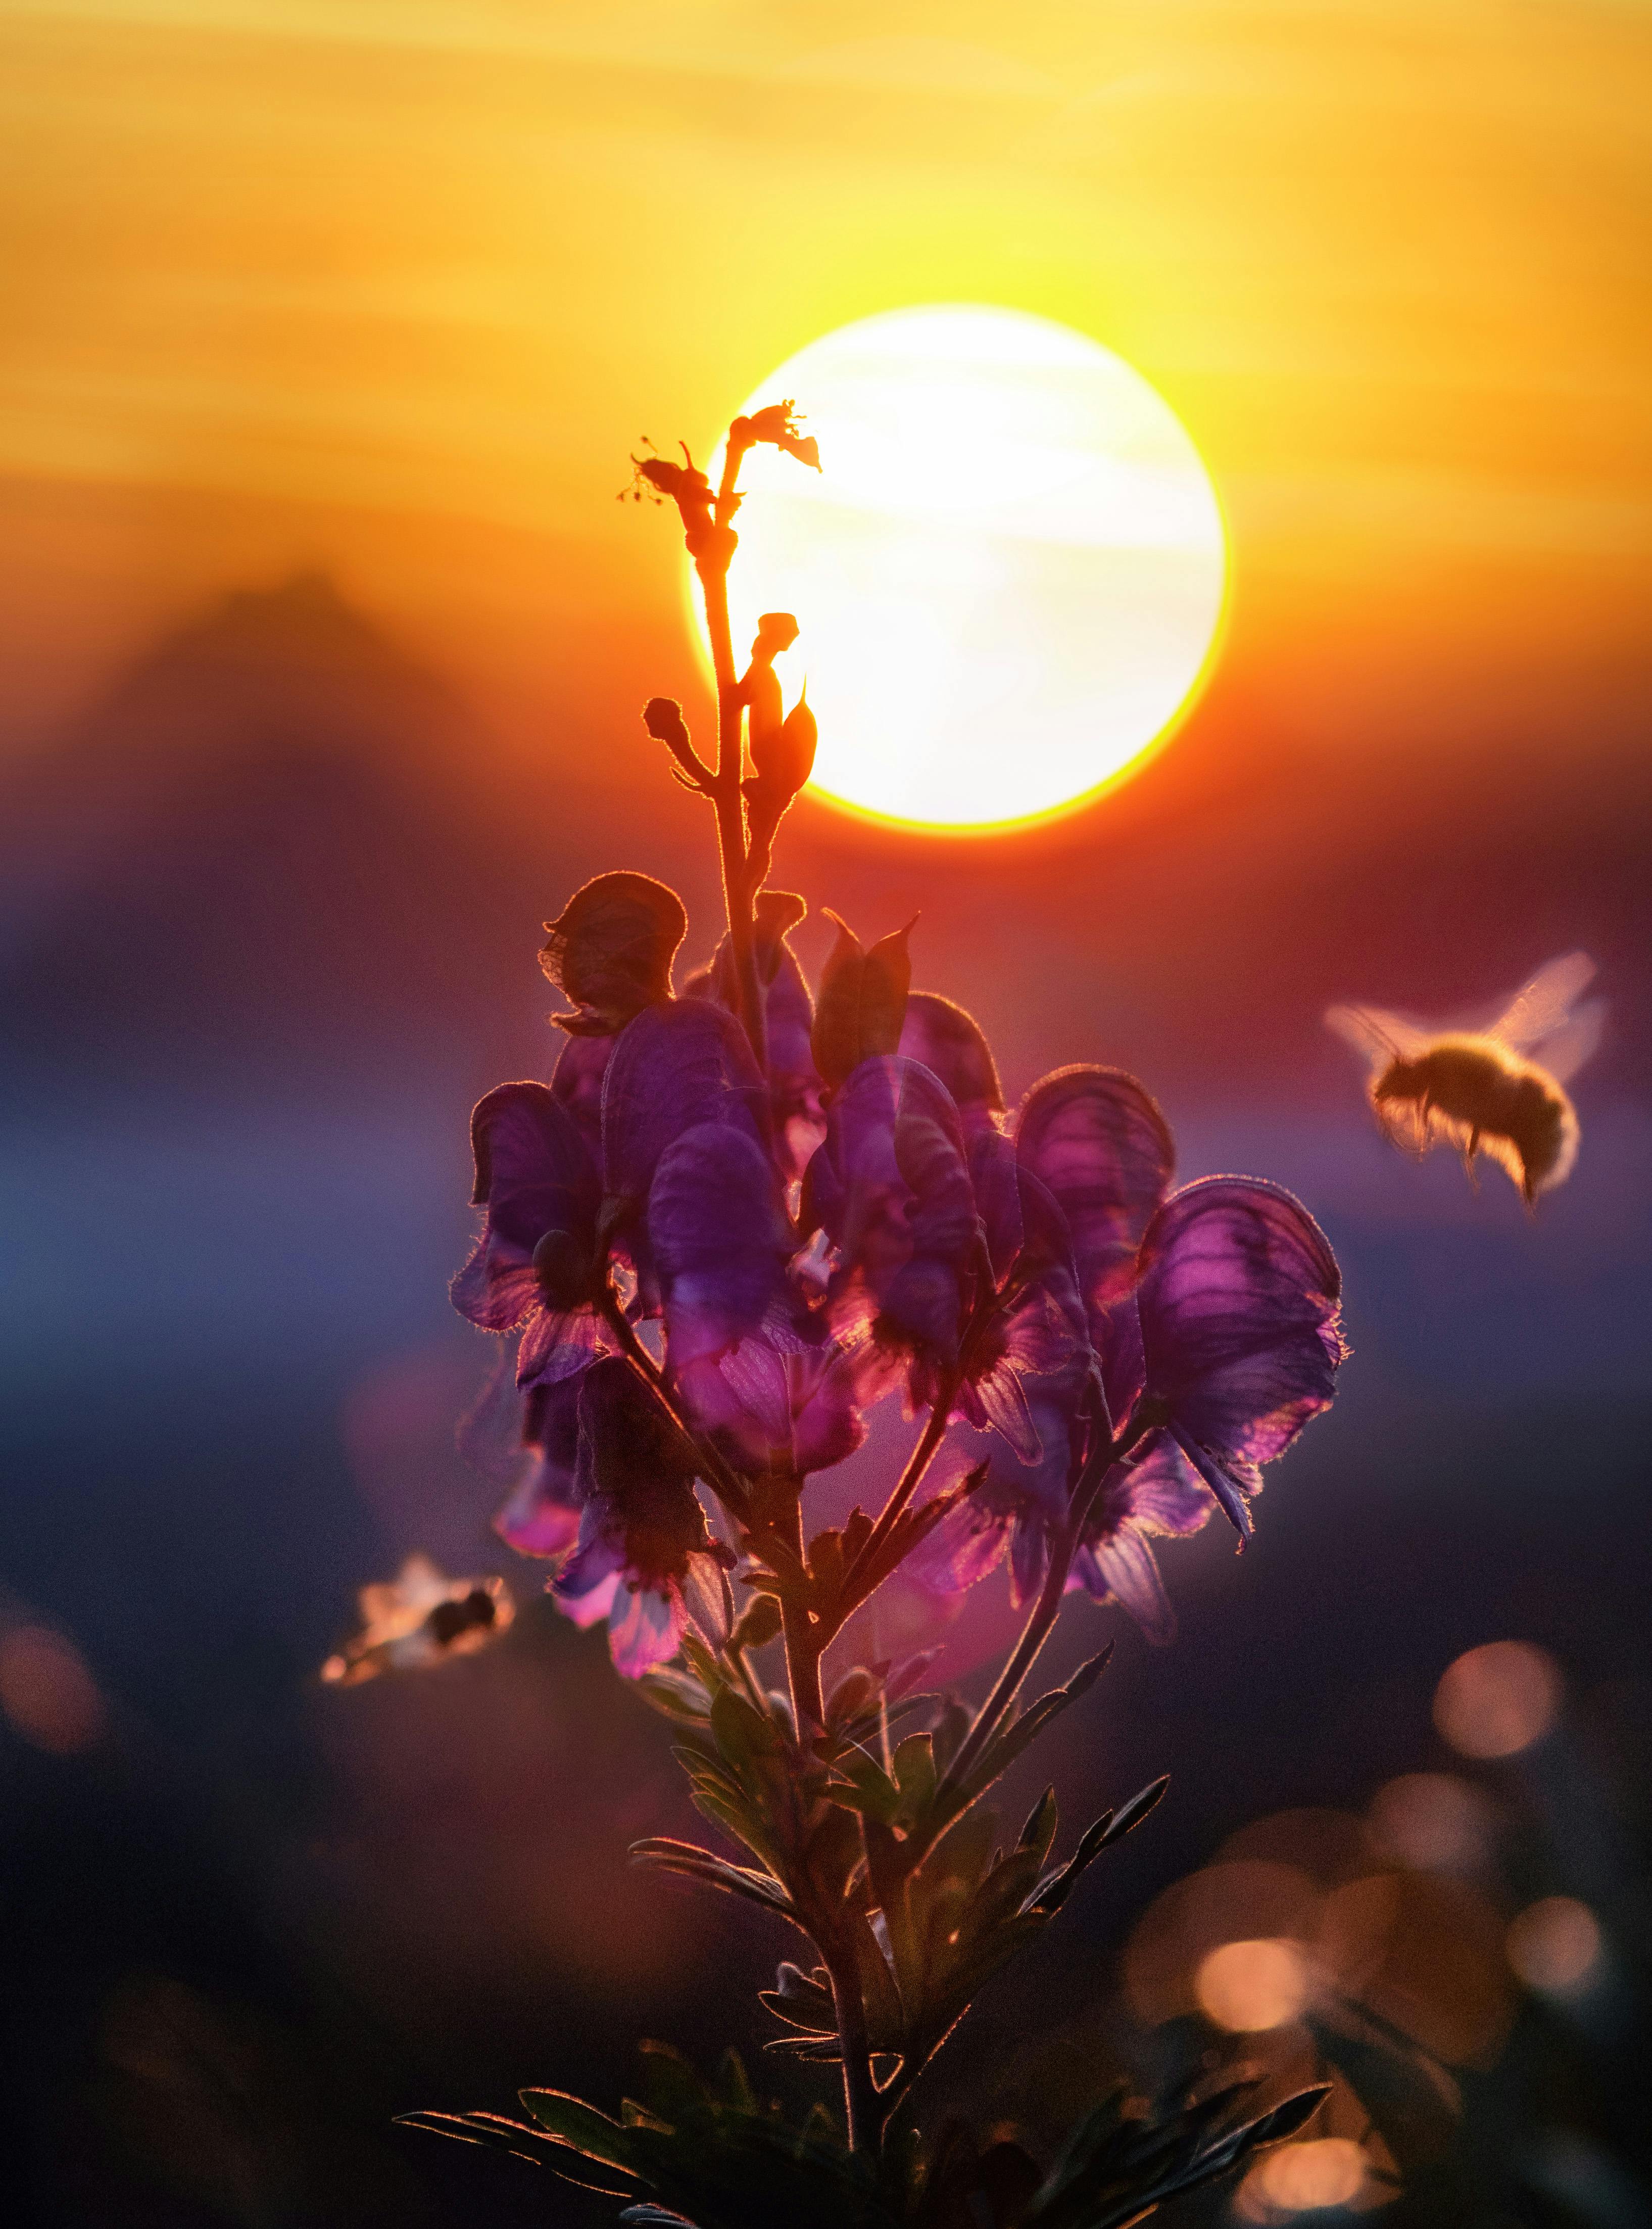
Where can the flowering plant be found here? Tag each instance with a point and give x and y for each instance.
(736, 1217)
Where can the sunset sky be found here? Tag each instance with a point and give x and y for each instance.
(329, 328)
(392, 288)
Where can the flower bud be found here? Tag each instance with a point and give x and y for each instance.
(663, 717)
(862, 1001)
(777, 425)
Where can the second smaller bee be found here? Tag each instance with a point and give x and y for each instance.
(1481, 1091)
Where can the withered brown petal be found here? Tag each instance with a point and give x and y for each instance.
(611, 948)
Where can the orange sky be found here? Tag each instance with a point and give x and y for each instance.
(391, 285)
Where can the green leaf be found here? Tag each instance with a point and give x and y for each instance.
(744, 1737)
(686, 1858)
(914, 1769)
(1039, 1832)
(1112, 1826)
(497, 2134)
(1010, 1742)
(580, 2127)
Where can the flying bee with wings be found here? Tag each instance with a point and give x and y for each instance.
(1486, 1091)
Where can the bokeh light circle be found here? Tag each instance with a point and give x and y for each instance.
(1009, 573)
(1554, 1944)
(1247, 1986)
(1497, 1700)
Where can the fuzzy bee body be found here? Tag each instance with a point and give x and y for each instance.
(1480, 1091)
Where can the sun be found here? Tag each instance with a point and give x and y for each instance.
(1009, 574)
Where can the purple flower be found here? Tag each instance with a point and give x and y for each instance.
(542, 1517)
(610, 951)
(753, 1366)
(672, 1069)
(644, 1553)
(951, 1044)
(1139, 1502)
(788, 1015)
(1098, 1142)
(576, 1084)
(891, 1189)
(1240, 1336)
(536, 1265)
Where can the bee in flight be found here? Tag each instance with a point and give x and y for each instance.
(1486, 1091)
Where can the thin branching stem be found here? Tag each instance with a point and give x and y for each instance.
(1098, 1468)
(993, 1301)
(911, 1479)
(739, 886)
(729, 1489)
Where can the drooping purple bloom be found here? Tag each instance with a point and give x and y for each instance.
(534, 1266)
(756, 1370)
(789, 1015)
(576, 1084)
(1098, 1142)
(643, 1551)
(1029, 1391)
(1240, 1336)
(1139, 1502)
(891, 1189)
(674, 1068)
(951, 1044)
(542, 1516)
(1095, 1138)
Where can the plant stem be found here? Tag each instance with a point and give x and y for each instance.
(862, 2108)
(922, 1455)
(1097, 1469)
(803, 1643)
(729, 1490)
(712, 567)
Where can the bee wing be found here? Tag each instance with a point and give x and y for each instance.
(1380, 1037)
(1543, 1006)
(1575, 1042)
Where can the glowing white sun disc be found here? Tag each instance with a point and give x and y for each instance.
(1009, 574)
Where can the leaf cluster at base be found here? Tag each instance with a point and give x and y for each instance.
(707, 2155)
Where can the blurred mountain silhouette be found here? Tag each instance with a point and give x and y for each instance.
(259, 839)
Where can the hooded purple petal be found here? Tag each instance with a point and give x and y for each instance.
(673, 1069)
(996, 1176)
(532, 1175)
(891, 1188)
(719, 1240)
(951, 1043)
(542, 1517)
(645, 1629)
(789, 1017)
(1121, 1567)
(576, 1084)
(1161, 1495)
(1239, 1325)
(1097, 1141)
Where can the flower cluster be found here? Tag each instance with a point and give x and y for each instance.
(742, 1211)
(712, 1273)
